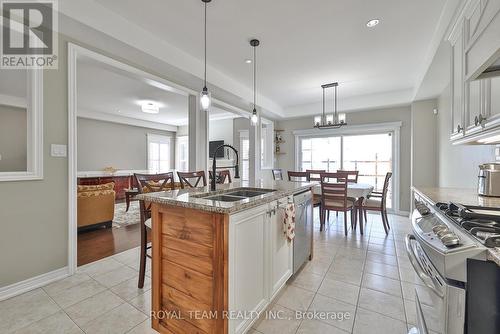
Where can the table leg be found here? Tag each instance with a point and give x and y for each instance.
(127, 199)
(360, 212)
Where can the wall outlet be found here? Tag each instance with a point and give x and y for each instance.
(58, 151)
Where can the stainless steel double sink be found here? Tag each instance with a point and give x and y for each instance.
(235, 195)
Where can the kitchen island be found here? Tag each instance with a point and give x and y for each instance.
(219, 257)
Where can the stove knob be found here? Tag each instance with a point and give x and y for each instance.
(450, 240)
(439, 228)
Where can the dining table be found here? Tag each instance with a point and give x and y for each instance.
(358, 191)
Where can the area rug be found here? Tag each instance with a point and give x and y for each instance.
(123, 218)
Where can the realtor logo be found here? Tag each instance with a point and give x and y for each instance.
(29, 37)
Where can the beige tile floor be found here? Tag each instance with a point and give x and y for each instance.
(366, 276)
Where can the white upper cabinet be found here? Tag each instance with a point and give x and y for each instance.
(493, 106)
(457, 81)
(475, 43)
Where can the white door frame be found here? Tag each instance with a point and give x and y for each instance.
(74, 52)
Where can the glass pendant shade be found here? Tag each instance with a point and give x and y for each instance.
(329, 119)
(317, 120)
(205, 99)
(342, 118)
(254, 118)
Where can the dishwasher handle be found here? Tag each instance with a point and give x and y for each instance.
(418, 269)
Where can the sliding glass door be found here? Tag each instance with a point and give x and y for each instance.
(321, 153)
(370, 154)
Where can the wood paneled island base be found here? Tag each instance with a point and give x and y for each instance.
(190, 270)
(218, 261)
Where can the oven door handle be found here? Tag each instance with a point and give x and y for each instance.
(418, 269)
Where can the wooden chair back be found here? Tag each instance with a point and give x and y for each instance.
(334, 191)
(298, 176)
(222, 176)
(351, 175)
(315, 174)
(192, 179)
(148, 183)
(386, 188)
(277, 174)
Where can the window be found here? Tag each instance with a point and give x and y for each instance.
(244, 155)
(369, 154)
(182, 153)
(158, 153)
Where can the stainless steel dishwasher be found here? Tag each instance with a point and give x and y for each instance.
(302, 244)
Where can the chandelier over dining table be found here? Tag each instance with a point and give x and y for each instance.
(330, 120)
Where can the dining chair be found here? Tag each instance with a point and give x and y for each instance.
(277, 174)
(222, 176)
(352, 175)
(148, 183)
(334, 198)
(315, 174)
(297, 176)
(192, 179)
(377, 201)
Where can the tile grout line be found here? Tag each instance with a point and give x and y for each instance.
(66, 313)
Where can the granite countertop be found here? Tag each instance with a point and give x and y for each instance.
(494, 255)
(466, 197)
(188, 197)
(458, 195)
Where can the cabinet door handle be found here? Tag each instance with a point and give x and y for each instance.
(476, 121)
(459, 128)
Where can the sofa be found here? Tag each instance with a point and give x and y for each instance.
(95, 206)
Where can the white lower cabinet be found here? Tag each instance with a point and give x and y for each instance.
(260, 263)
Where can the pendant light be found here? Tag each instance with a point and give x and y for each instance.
(254, 118)
(205, 98)
(334, 120)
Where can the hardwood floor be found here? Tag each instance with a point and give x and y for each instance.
(98, 244)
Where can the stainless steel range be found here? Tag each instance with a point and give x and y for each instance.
(445, 237)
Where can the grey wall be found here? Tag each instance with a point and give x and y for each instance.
(457, 164)
(424, 147)
(403, 114)
(102, 144)
(13, 139)
(221, 130)
(34, 214)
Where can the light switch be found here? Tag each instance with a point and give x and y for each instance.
(59, 151)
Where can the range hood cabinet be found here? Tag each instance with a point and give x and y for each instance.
(492, 71)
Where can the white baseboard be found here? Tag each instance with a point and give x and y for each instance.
(402, 213)
(18, 288)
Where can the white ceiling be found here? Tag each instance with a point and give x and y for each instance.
(303, 43)
(107, 90)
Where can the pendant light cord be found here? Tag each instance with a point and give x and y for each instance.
(254, 76)
(205, 75)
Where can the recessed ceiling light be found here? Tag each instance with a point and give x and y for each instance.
(150, 108)
(372, 23)
(248, 61)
